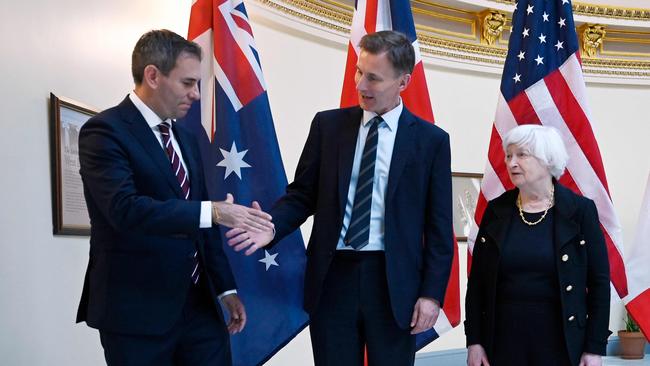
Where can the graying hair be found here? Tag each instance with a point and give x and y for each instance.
(543, 142)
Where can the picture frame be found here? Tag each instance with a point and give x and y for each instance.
(69, 211)
(465, 189)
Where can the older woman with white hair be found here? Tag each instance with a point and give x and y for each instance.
(538, 291)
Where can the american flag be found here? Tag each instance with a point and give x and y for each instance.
(376, 15)
(638, 298)
(542, 83)
(240, 152)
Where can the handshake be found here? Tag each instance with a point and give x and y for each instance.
(251, 228)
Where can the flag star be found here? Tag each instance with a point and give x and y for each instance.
(540, 60)
(565, 2)
(529, 10)
(525, 32)
(517, 78)
(559, 45)
(545, 16)
(233, 161)
(521, 54)
(516, 6)
(269, 259)
(542, 38)
(562, 22)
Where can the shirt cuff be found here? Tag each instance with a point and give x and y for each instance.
(226, 293)
(205, 220)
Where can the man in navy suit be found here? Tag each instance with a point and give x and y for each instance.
(377, 180)
(157, 269)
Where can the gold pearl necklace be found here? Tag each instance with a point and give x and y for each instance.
(521, 211)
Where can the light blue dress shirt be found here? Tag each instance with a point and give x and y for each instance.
(386, 141)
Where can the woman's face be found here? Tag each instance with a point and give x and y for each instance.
(523, 168)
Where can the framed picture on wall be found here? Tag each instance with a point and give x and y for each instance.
(69, 212)
(465, 188)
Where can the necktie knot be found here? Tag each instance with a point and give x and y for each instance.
(376, 121)
(164, 128)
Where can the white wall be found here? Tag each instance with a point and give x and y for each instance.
(81, 50)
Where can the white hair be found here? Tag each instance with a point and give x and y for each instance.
(543, 142)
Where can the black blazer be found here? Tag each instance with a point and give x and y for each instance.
(143, 233)
(418, 228)
(581, 262)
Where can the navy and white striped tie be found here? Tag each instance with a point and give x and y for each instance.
(358, 232)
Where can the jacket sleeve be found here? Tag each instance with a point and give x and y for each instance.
(299, 202)
(108, 176)
(438, 233)
(598, 286)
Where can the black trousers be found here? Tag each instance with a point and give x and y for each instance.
(355, 313)
(199, 338)
(529, 334)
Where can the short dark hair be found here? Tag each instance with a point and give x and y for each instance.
(160, 48)
(399, 49)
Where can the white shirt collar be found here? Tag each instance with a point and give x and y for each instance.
(149, 115)
(391, 117)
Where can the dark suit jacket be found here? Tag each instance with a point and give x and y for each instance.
(143, 233)
(581, 262)
(418, 228)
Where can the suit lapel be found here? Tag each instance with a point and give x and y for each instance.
(402, 150)
(349, 132)
(143, 134)
(565, 227)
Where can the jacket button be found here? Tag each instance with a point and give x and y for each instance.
(569, 288)
(582, 242)
(572, 318)
(482, 239)
(565, 257)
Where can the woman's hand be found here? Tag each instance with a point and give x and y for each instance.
(476, 356)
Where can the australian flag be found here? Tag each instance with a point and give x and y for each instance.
(240, 151)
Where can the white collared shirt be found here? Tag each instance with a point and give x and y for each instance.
(387, 131)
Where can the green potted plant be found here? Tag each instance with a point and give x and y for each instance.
(632, 340)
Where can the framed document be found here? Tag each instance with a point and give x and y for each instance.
(465, 188)
(69, 212)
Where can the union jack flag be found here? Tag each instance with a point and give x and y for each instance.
(240, 151)
(542, 83)
(376, 15)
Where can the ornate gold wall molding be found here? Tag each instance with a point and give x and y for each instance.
(608, 11)
(451, 34)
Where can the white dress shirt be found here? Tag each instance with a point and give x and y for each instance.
(387, 131)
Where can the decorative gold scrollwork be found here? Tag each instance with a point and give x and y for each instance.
(492, 23)
(592, 39)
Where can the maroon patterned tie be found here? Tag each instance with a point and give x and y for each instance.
(183, 180)
(177, 167)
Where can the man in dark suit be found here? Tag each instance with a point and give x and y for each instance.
(377, 180)
(157, 269)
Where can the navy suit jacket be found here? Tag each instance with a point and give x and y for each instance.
(418, 227)
(143, 233)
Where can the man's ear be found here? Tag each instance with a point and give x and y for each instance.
(151, 76)
(404, 81)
